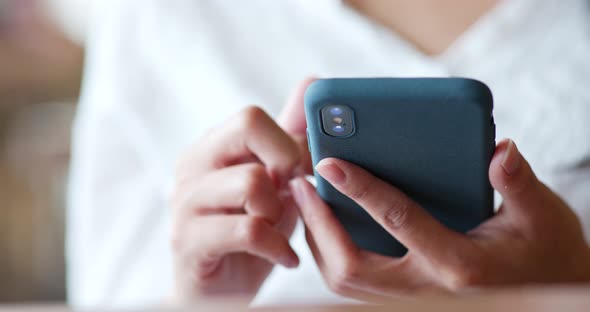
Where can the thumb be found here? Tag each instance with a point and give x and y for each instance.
(512, 176)
(292, 120)
(292, 117)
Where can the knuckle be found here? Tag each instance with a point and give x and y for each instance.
(256, 179)
(465, 278)
(337, 287)
(396, 215)
(346, 274)
(183, 198)
(360, 192)
(251, 116)
(523, 183)
(518, 187)
(251, 231)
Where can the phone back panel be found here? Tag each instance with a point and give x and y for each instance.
(433, 138)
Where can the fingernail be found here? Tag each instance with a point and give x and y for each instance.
(290, 261)
(298, 191)
(512, 159)
(331, 172)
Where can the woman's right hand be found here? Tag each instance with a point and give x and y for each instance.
(233, 212)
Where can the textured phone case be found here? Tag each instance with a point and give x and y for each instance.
(433, 138)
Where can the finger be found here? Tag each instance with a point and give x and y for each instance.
(399, 215)
(237, 189)
(386, 278)
(292, 120)
(324, 228)
(290, 215)
(512, 176)
(346, 269)
(339, 283)
(337, 257)
(377, 280)
(251, 133)
(335, 276)
(306, 163)
(209, 239)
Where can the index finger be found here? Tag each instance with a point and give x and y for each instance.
(347, 269)
(399, 215)
(251, 135)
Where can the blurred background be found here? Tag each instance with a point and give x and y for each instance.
(41, 58)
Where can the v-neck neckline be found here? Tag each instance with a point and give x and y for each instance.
(505, 16)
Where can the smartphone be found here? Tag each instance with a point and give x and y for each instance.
(433, 138)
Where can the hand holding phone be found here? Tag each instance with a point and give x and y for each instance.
(535, 238)
(433, 138)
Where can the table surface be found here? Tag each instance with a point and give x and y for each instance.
(541, 299)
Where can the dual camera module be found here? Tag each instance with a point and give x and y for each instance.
(337, 120)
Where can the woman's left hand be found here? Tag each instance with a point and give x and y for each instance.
(534, 238)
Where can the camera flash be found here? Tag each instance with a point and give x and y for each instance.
(337, 120)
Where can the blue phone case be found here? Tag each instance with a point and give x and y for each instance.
(433, 138)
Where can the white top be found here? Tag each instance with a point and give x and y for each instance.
(161, 72)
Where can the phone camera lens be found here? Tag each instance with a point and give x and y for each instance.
(336, 111)
(338, 129)
(337, 120)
